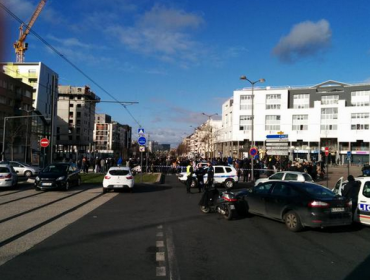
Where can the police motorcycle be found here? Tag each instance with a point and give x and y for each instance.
(226, 203)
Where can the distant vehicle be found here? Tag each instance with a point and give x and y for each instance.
(58, 176)
(8, 176)
(223, 175)
(23, 169)
(362, 213)
(287, 176)
(136, 169)
(299, 204)
(118, 178)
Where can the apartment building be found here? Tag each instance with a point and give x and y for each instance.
(330, 114)
(75, 121)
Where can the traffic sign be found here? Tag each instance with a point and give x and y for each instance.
(141, 140)
(253, 151)
(140, 131)
(326, 151)
(142, 149)
(44, 142)
(276, 136)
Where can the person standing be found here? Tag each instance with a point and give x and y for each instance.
(189, 174)
(200, 177)
(102, 165)
(351, 190)
(210, 175)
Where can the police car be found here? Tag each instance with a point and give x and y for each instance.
(224, 175)
(362, 213)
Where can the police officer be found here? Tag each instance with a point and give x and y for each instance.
(200, 173)
(210, 175)
(351, 190)
(189, 174)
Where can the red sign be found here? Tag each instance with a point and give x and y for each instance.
(44, 142)
(253, 151)
(326, 151)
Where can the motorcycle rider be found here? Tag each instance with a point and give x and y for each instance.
(200, 173)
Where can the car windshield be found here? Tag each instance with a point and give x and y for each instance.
(317, 191)
(56, 168)
(118, 172)
(4, 170)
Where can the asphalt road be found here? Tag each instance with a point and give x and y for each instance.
(159, 232)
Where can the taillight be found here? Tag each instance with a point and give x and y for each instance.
(9, 176)
(227, 197)
(107, 177)
(318, 204)
(129, 177)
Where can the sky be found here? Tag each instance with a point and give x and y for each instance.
(179, 59)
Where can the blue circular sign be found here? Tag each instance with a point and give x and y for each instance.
(253, 151)
(141, 141)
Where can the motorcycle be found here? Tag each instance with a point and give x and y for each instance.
(227, 203)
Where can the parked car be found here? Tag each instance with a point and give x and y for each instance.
(8, 176)
(287, 176)
(223, 175)
(118, 178)
(362, 213)
(136, 169)
(58, 176)
(24, 169)
(299, 204)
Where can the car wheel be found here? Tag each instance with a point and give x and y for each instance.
(229, 184)
(67, 186)
(105, 190)
(292, 221)
(28, 173)
(205, 209)
(229, 214)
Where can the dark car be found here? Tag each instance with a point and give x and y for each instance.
(58, 176)
(299, 204)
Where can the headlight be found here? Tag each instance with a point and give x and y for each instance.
(37, 178)
(61, 178)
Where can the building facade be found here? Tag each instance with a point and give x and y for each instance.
(75, 122)
(331, 114)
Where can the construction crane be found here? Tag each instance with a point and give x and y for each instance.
(21, 46)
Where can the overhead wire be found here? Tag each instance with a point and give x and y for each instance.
(67, 60)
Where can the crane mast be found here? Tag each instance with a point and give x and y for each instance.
(21, 46)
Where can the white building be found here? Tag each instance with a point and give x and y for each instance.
(330, 114)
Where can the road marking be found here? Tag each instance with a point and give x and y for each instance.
(171, 257)
(160, 271)
(160, 234)
(160, 244)
(160, 257)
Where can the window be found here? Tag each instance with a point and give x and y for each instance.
(245, 102)
(272, 122)
(245, 122)
(329, 99)
(360, 98)
(300, 122)
(291, 177)
(281, 189)
(329, 119)
(301, 101)
(70, 105)
(262, 188)
(276, 176)
(273, 101)
(219, 170)
(359, 121)
(366, 191)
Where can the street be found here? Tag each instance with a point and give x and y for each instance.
(158, 232)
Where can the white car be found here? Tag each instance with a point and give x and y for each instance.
(118, 178)
(24, 169)
(225, 175)
(8, 176)
(362, 213)
(287, 176)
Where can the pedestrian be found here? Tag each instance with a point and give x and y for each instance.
(351, 190)
(189, 174)
(119, 162)
(102, 165)
(210, 175)
(200, 177)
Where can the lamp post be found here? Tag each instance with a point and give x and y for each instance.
(26, 146)
(252, 118)
(210, 131)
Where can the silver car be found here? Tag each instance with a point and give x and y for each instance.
(8, 176)
(287, 176)
(24, 169)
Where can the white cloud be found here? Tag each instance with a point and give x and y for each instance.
(163, 33)
(304, 40)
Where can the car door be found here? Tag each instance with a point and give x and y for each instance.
(17, 167)
(280, 196)
(363, 208)
(219, 172)
(338, 186)
(256, 198)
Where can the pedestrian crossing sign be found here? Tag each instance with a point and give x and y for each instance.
(140, 131)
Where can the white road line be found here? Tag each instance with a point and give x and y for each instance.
(160, 256)
(160, 244)
(160, 271)
(160, 234)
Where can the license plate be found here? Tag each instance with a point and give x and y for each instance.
(47, 184)
(119, 186)
(338, 209)
(232, 207)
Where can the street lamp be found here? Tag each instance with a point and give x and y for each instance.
(210, 131)
(26, 146)
(252, 118)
